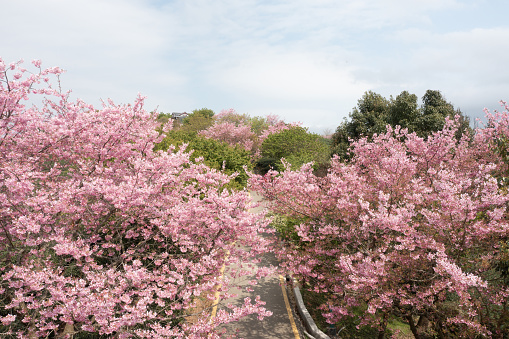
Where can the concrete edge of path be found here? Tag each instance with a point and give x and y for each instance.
(308, 321)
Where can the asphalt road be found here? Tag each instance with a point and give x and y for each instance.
(279, 325)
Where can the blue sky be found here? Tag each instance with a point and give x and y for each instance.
(304, 60)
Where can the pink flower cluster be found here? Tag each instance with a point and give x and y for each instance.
(101, 234)
(237, 130)
(231, 134)
(410, 227)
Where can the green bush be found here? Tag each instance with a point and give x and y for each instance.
(217, 155)
(297, 146)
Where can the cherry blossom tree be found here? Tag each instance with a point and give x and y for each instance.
(244, 131)
(102, 235)
(231, 134)
(231, 116)
(411, 228)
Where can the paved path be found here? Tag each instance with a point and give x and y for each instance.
(279, 325)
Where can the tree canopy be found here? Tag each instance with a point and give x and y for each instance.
(374, 112)
(103, 236)
(198, 120)
(410, 228)
(215, 154)
(296, 145)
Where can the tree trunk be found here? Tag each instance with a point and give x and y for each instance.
(413, 328)
(381, 332)
(422, 323)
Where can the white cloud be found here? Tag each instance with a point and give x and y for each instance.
(313, 57)
(290, 76)
(113, 27)
(109, 48)
(467, 66)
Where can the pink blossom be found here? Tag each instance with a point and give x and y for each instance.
(8, 319)
(104, 234)
(231, 134)
(405, 223)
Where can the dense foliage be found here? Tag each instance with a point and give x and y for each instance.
(198, 120)
(102, 235)
(296, 146)
(243, 130)
(231, 160)
(413, 228)
(374, 112)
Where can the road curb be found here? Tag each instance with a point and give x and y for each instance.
(307, 320)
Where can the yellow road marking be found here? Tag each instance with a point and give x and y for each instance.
(288, 308)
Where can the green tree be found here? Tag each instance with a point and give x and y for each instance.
(403, 110)
(163, 117)
(258, 124)
(297, 146)
(373, 113)
(369, 117)
(198, 120)
(204, 112)
(434, 110)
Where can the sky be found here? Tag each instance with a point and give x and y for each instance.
(304, 60)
